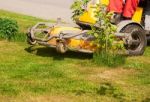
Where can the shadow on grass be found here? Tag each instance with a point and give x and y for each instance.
(107, 89)
(51, 52)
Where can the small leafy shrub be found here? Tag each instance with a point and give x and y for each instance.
(8, 28)
(108, 45)
(77, 8)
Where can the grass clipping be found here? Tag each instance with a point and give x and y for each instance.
(110, 48)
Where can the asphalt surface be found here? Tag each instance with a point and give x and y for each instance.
(46, 9)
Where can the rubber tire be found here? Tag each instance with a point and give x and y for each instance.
(84, 26)
(143, 41)
(61, 48)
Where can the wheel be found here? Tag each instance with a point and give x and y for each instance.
(137, 39)
(61, 48)
(30, 40)
(83, 26)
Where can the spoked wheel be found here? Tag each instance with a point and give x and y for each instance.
(136, 41)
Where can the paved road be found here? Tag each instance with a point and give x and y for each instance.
(47, 9)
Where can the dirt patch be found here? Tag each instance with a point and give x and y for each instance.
(49, 99)
(113, 75)
(42, 98)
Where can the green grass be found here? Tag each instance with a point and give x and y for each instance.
(41, 74)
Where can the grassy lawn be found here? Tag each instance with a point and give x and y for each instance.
(35, 74)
